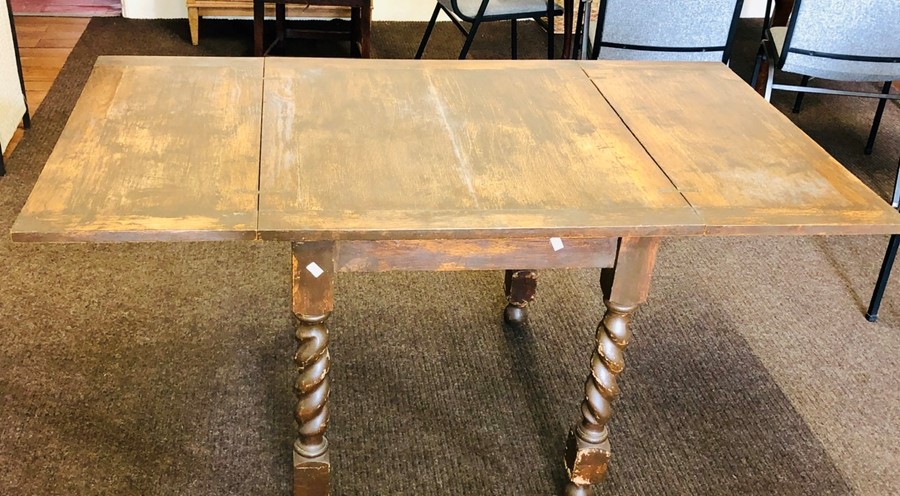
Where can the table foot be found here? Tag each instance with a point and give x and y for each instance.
(312, 476)
(586, 463)
(573, 489)
(514, 315)
(520, 287)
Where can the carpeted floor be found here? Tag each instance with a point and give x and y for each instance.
(165, 368)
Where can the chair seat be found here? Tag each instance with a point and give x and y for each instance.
(468, 9)
(779, 33)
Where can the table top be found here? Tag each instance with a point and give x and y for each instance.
(161, 149)
(156, 148)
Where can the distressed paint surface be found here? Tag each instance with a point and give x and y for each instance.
(481, 254)
(157, 148)
(742, 164)
(172, 149)
(421, 149)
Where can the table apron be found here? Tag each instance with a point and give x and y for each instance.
(479, 254)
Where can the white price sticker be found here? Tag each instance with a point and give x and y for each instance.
(315, 270)
(556, 243)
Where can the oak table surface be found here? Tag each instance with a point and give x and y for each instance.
(160, 149)
(372, 165)
(156, 149)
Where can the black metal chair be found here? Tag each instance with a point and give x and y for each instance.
(671, 30)
(839, 41)
(11, 103)
(476, 12)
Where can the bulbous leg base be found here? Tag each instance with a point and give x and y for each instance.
(515, 315)
(573, 489)
(520, 286)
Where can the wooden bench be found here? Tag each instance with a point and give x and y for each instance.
(241, 8)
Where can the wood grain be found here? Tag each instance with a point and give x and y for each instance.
(420, 149)
(740, 162)
(312, 294)
(444, 255)
(156, 149)
(161, 149)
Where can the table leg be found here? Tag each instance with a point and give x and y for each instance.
(520, 287)
(312, 301)
(624, 288)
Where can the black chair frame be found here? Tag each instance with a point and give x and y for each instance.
(767, 51)
(726, 49)
(26, 119)
(476, 21)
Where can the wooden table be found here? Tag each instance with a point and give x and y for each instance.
(439, 165)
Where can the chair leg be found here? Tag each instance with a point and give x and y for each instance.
(194, 24)
(354, 32)
(514, 36)
(259, 16)
(877, 121)
(883, 275)
(469, 39)
(26, 119)
(895, 200)
(421, 51)
(2, 167)
(799, 100)
(281, 27)
(551, 50)
(365, 32)
(770, 80)
(754, 79)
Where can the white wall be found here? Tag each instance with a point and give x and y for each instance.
(385, 10)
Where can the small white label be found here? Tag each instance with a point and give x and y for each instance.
(556, 243)
(315, 270)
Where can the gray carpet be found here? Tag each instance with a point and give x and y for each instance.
(165, 368)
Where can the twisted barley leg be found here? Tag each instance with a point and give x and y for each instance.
(625, 287)
(588, 450)
(313, 301)
(312, 387)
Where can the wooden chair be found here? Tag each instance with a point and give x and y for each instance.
(358, 34)
(13, 104)
(197, 9)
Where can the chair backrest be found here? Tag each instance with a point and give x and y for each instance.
(468, 9)
(666, 29)
(12, 98)
(847, 41)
